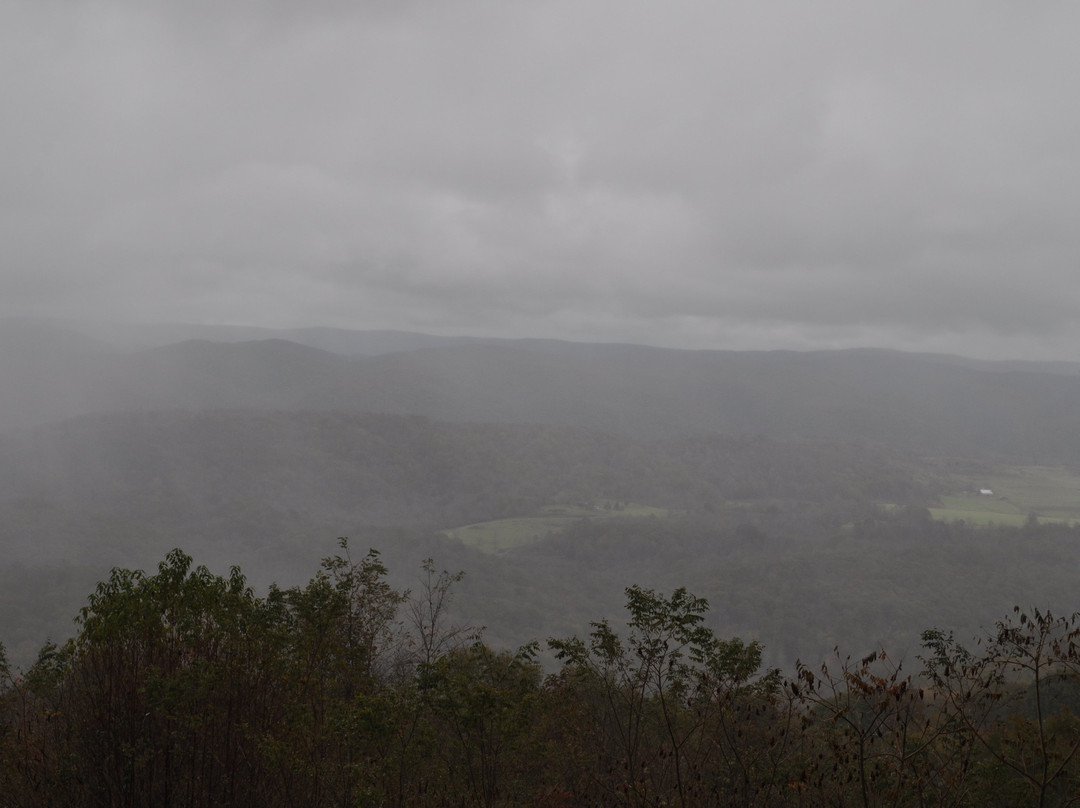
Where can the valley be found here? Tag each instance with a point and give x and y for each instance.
(560, 474)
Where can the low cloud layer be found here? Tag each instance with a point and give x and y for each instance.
(720, 175)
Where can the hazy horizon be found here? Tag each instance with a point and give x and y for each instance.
(138, 335)
(686, 175)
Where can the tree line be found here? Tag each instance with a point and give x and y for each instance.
(186, 688)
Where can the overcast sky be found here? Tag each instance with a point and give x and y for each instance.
(691, 174)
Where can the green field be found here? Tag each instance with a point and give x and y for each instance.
(1051, 493)
(506, 534)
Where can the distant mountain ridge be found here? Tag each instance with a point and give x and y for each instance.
(346, 342)
(923, 403)
(375, 342)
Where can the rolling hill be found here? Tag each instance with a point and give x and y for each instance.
(926, 404)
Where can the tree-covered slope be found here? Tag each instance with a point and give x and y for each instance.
(926, 404)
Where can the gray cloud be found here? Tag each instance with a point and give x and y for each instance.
(703, 175)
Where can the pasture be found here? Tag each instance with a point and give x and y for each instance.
(1052, 493)
(501, 535)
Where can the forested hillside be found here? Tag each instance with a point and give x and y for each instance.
(388, 469)
(927, 404)
(269, 490)
(801, 544)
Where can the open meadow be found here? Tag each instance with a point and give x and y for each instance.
(507, 534)
(1051, 493)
